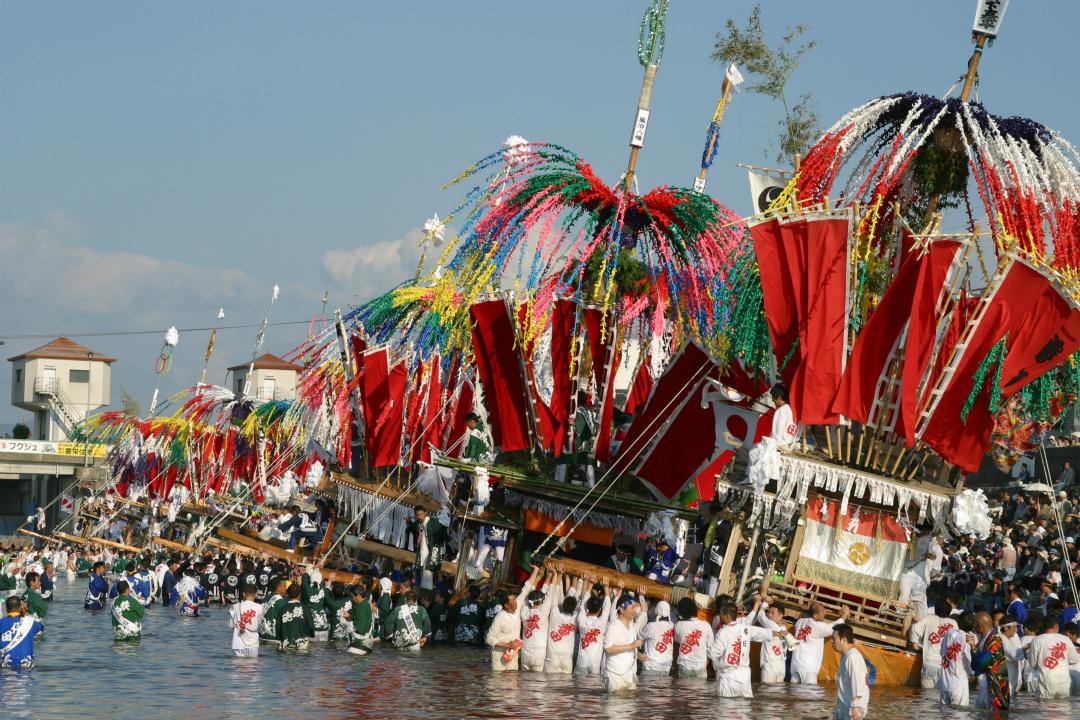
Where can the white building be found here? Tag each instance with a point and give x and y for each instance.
(61, 383)
(271, 378)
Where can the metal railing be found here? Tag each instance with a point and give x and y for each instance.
(46, 385)
(267, 394)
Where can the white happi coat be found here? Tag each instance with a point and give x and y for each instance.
(694, 638)
(808, 654)
(1050, 656)
(658, 638)
(730, 655)
(591, 629)
(955, 668)
(928, 634)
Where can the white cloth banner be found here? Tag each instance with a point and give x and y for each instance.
(988, 16)
(764, 189)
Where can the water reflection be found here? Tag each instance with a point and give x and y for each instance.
(184, 668)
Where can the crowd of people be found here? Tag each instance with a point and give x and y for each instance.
(557, 623)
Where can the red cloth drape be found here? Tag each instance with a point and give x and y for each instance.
(822, 315)
(499, 365)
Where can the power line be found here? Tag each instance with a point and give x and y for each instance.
(118, 333)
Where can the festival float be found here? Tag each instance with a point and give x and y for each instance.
(583, 369)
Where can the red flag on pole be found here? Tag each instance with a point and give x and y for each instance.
(562, 348)
(781, 287)
(683, 376)
(1041, 328)
(823, 313)
(499, 365)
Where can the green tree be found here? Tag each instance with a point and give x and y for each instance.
(770, 69)
(21, 431)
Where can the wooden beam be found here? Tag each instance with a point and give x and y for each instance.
(611, 577)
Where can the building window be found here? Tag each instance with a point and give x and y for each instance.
(78, 376)
(18, 375)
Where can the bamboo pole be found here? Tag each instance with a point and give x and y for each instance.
(641, 123)
(714, 135)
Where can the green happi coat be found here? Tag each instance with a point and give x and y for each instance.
(8, 583)
(407, 625)
(477, 446)
(127, 615)
(361, 627)
(436, 536)
(270, 625)
(440, 623)
(467, 619)
(313, 596)
(335, 609)
(295, 623)
(82, 567)
(35, 604)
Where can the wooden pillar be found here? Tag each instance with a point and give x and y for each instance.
(463, 560)
(729, 558)
(796, 548)
(328, 538)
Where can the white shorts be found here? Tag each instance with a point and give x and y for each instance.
(322, 635)
(1051, 689)
(587, 667)
(559, 663)
(358, 651)
(930, 677)
(843, 712)
(734, 684)
(955, 694)
(693, 672)
(620, 683)
(773, 673)
(246, 652)
(532, 662)
(804, 678)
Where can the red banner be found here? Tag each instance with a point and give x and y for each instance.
(434, 415)
(822, 315)
(562, 347)
(681, 380)
(384, 399)
(605, 361)
(781, 287)
(1011, 309)
(925, 310)
(499, 365)
(639, 391)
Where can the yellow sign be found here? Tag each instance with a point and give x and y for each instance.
(94, 450)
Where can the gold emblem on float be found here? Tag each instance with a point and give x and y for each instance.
(859, 553)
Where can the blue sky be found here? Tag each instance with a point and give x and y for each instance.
(160, 160)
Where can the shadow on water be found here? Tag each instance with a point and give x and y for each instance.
(184, 668)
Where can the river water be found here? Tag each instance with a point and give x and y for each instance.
(184, 668)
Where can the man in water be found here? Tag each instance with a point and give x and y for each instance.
(504, 634)
(244, 619)
(35, 604)
(852, 682)
(926, 635)
(127, 615)
(169, 596)
(190, 594)
(295, 623)
(1050, 655)
(17, 632)
(361, 622)
(730, 652)
(693, 637)
(955, 678)
(621, 643)
(811, 631)
(98, 589)
(408, 625)
(269, 624)
(990, 665)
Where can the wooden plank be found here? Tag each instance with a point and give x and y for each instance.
(612, 577)
(95, 541)
(172, 544)
(249, 544)
(398, 554)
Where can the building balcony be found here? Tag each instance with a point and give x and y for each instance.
(266, 394)
(46, 386)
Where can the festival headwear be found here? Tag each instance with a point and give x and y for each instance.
(663, 609)
(626, 600)
(385, 584)
(535, 598)
(1070, 541)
